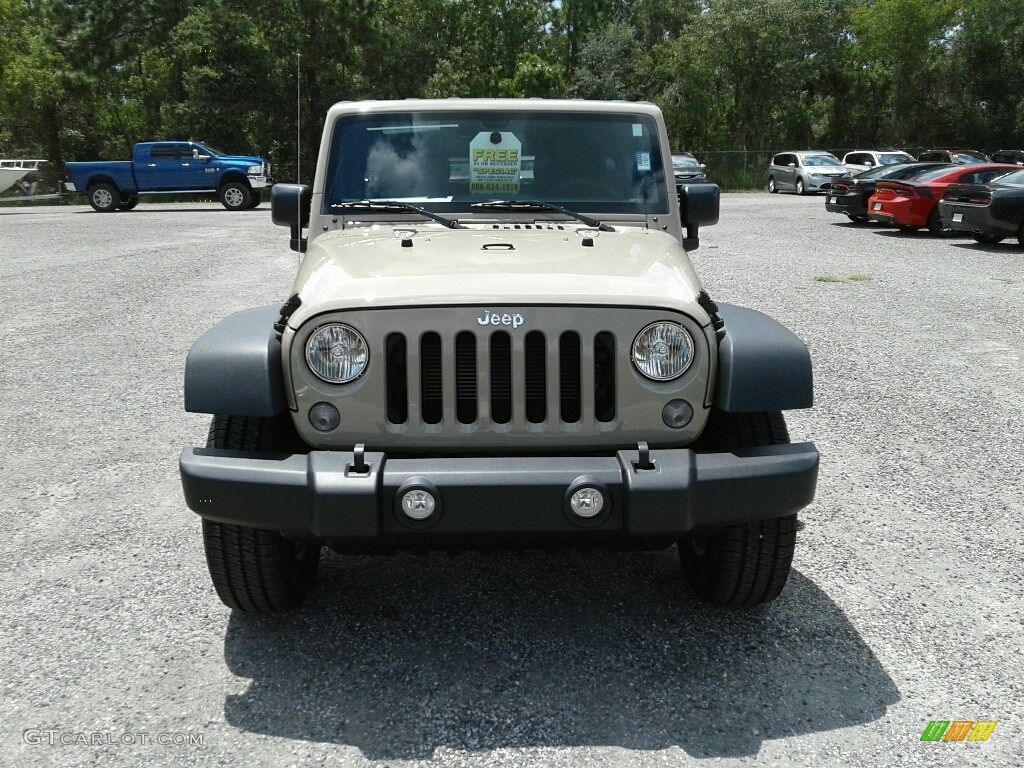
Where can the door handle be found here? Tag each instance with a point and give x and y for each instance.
(184, 165)
(151, 165)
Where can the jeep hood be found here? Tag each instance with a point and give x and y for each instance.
(389, 266)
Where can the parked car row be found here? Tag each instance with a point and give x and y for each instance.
(816, 171)
(983, 200)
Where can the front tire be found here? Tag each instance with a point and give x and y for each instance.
(104, 197)
(741, 565)
(257, 198)
(771, 185)
(235, 196)
(800, 186)
(253, 570)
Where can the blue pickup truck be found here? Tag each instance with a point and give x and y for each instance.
(171, 168)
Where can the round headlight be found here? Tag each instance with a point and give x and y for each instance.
(663, 351)
(337, 353)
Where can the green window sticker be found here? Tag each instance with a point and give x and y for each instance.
(495, 163)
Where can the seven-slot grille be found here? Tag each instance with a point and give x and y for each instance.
(563, 376)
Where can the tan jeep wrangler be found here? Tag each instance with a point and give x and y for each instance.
(496, 339)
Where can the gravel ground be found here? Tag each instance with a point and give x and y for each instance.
(904, 606)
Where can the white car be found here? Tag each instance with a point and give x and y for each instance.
(866, 159)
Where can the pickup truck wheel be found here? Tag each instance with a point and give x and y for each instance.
(257, 198)
(235, 196)
(253, 570)
(128, 204)
(741, 565)
(104, 197)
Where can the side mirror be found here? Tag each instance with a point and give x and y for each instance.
(289, 207)
(698, 206)
(197, 156)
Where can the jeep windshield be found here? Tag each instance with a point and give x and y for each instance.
(450, 162)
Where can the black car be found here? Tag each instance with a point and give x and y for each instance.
(955, 156)
(990, 212)
(1009, 156)
(849, 195)
(688, 169)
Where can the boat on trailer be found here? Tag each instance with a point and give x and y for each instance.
(13, 171)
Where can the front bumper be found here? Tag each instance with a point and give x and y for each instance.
(818, 183)
(259, 182)
(324, 495)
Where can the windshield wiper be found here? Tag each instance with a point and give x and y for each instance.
(396, 205)
(544, 206)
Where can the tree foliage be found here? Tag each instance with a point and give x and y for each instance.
(85, 80)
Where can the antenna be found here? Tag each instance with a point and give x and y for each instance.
(298, 118)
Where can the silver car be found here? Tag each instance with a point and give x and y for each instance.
(804, 172)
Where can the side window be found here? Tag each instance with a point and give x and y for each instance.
(164, 152)
(779, 160)
(984, 177)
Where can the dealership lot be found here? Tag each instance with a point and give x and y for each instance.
(904, 606)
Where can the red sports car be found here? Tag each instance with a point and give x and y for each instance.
(912, 204)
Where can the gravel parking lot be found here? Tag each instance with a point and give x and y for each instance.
(904, 606)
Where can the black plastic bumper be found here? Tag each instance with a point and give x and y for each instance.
(323, 495)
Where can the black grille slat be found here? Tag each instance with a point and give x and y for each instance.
(431, 396)
(396, 378)
(465, 378)
(569, 382)
(485, 380)
(604, 377)
(535, 371)
(501, 378)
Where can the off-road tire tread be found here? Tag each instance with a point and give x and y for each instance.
(745, 565)
(254, 570)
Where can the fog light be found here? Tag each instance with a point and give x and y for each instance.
(676, 414)
(324, 417)
(587, 502)
(418, 504)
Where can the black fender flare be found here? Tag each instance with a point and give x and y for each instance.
(762, 365)
(234, 368)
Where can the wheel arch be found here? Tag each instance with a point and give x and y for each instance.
(233, 175)
(234, 369)
(101, 178)
(762, 365)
